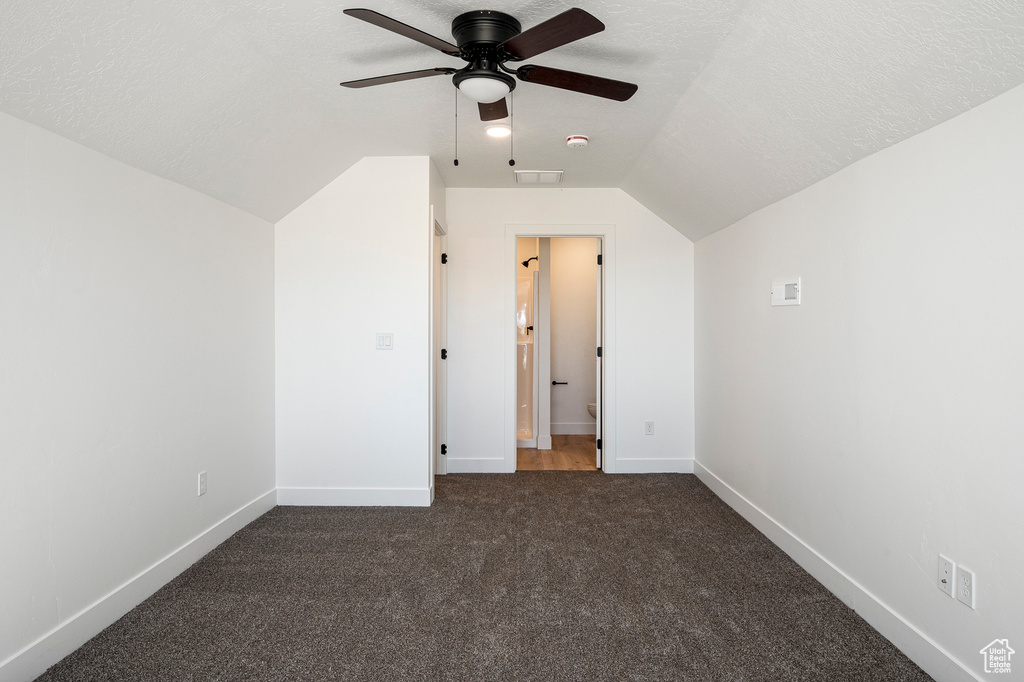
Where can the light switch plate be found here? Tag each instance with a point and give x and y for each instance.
(385, 340)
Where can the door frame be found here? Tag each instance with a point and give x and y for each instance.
(606, 233)
(599, 360)
(437, 462)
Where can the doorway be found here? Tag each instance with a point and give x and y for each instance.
(558, 352)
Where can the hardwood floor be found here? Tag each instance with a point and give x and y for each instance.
(567, 453)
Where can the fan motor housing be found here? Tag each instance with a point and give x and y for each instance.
(484, 28)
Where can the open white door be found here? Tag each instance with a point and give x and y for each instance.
(600, 343)
(440, 315)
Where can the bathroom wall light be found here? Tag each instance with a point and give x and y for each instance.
(500, 130)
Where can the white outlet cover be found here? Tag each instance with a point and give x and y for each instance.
(947, 575)
(966, 587)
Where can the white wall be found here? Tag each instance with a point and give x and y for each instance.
(353, 422)
(136, 349)
(653, 336)
(573, 333)
(437, 195)
(882, 421)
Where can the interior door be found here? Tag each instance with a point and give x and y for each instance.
(599, 354)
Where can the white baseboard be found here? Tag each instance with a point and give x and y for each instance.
(355, 497)
(34, 659)
(653, 466)
(543, 442)
(476, 466)
(918, 647)
(573, 429)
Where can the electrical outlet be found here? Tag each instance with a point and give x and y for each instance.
(649, 428)
(202, 483)
(947, 575)
(965, 586)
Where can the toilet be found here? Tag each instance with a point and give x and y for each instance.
(592, 409)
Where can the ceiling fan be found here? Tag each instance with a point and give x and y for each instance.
(486, 40)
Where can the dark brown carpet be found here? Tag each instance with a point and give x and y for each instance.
(533, 576)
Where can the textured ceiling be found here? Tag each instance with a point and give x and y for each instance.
(800, 90)
(740, 103)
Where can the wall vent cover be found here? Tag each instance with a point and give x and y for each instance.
(538, 177)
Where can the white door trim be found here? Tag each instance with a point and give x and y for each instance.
(542, 345)
(607, 234)
(598, 359)
(437, 463)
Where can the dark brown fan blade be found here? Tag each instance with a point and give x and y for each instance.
(378, 19)
(396, 77)
(493, 111)
(578, 82)
(565, 28)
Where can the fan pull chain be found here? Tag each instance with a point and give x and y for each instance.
(511, 128)
(456, 127)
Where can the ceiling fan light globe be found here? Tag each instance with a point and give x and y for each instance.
(483, 89)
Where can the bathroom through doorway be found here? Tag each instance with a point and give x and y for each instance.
(558, 319)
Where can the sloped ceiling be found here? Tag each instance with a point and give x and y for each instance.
(799, 90)
(740, 103)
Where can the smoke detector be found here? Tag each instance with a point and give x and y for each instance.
(576, 141)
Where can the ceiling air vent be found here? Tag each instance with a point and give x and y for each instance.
(538, 177)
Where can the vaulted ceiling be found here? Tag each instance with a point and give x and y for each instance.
(741, 103)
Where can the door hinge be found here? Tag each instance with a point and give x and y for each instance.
(598, 443)
(444, 259)
(444, 449)
(599, 351)
(444, 353)
(599, 259)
